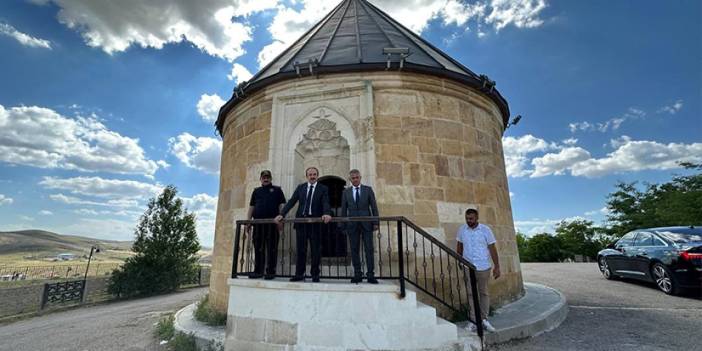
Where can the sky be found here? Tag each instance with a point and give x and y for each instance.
(103, 103)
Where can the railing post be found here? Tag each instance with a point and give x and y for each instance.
(45, 296)
(476, 303)
(235, 258)
(401, 261)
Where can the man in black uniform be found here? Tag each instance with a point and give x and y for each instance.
(266, 202)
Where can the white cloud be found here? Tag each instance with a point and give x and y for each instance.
(537, 226)
(114, 26)
(634, 155)
(115, 203)
(672, 109)
(107, 229)
(520, 13)
(570, 141)
(46, 213)
(557, 163)
(459, 13)
(202, 153)
(289, 24)
(26, 219)
(205, 208)
(628, 156)
(239, 74)
(517, 149)
(4, 200)
(208, 107)
(610, 124)
(603, 211)
(109, 189)
(22, 38)
(40, 137)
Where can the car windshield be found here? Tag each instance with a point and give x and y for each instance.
(682, 236)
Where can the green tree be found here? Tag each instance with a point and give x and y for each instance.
(523, 247)
(165, 250)
(678, 202)
(578, 237)
(544, 248)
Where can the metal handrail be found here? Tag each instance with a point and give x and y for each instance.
(243, 257)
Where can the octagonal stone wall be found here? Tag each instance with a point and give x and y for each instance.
(429, 146)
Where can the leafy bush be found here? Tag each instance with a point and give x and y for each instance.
(208, 315)
(183, 342)
(165, 328)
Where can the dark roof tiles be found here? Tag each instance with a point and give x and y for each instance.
(352, 37)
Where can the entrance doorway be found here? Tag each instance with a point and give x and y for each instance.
(334, 244)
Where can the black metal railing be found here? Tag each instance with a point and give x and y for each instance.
(57, 271)
(403, 252)
(63, 292)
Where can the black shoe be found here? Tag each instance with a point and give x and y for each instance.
(297, 278)
(255, 276)
(356, 280)
(372, 280)
(269, 277)
(315, 279)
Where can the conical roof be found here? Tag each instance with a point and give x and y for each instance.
(357, 36)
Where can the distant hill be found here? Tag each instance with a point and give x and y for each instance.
(37, 246)
(43, 241)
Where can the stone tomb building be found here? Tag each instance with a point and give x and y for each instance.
(359, 90)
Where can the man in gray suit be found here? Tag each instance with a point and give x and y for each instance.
(357, 201)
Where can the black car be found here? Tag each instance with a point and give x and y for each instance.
(671, 257)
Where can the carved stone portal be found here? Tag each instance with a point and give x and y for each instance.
(322, 146)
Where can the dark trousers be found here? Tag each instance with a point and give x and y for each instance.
(355, 241)
(265, 240)
(308, 232)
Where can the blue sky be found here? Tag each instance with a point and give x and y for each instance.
(102, 102)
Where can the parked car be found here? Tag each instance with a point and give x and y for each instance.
(670, 257)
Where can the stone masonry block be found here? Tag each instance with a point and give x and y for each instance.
(422, 174)
(417, 126)
(448, 130)
(249, 329)
(395, 104)
(388, 122)
(426, 144)
(279, 332)
(428, 193)
(451, 148)
(391, 172)
(397, 153)
(440, 106)
(391, 136)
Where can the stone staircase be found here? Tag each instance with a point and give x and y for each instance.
(336, 316)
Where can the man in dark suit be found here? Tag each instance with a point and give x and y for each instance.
(314, 202)
(358, 201)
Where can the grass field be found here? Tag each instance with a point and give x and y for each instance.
(37, 248)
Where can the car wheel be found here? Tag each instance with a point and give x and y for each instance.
(604, 268)
(664, 279)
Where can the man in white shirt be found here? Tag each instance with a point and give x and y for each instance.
(476, 243)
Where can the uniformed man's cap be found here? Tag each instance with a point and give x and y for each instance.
(266, 173)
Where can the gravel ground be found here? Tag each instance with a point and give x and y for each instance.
(613, 315)
(119, 326)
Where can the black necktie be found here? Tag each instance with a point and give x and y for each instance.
(355, 195)
(308, 200)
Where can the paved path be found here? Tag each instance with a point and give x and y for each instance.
(120, 326)
(612, 315)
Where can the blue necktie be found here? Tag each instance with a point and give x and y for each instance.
(355, 195)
